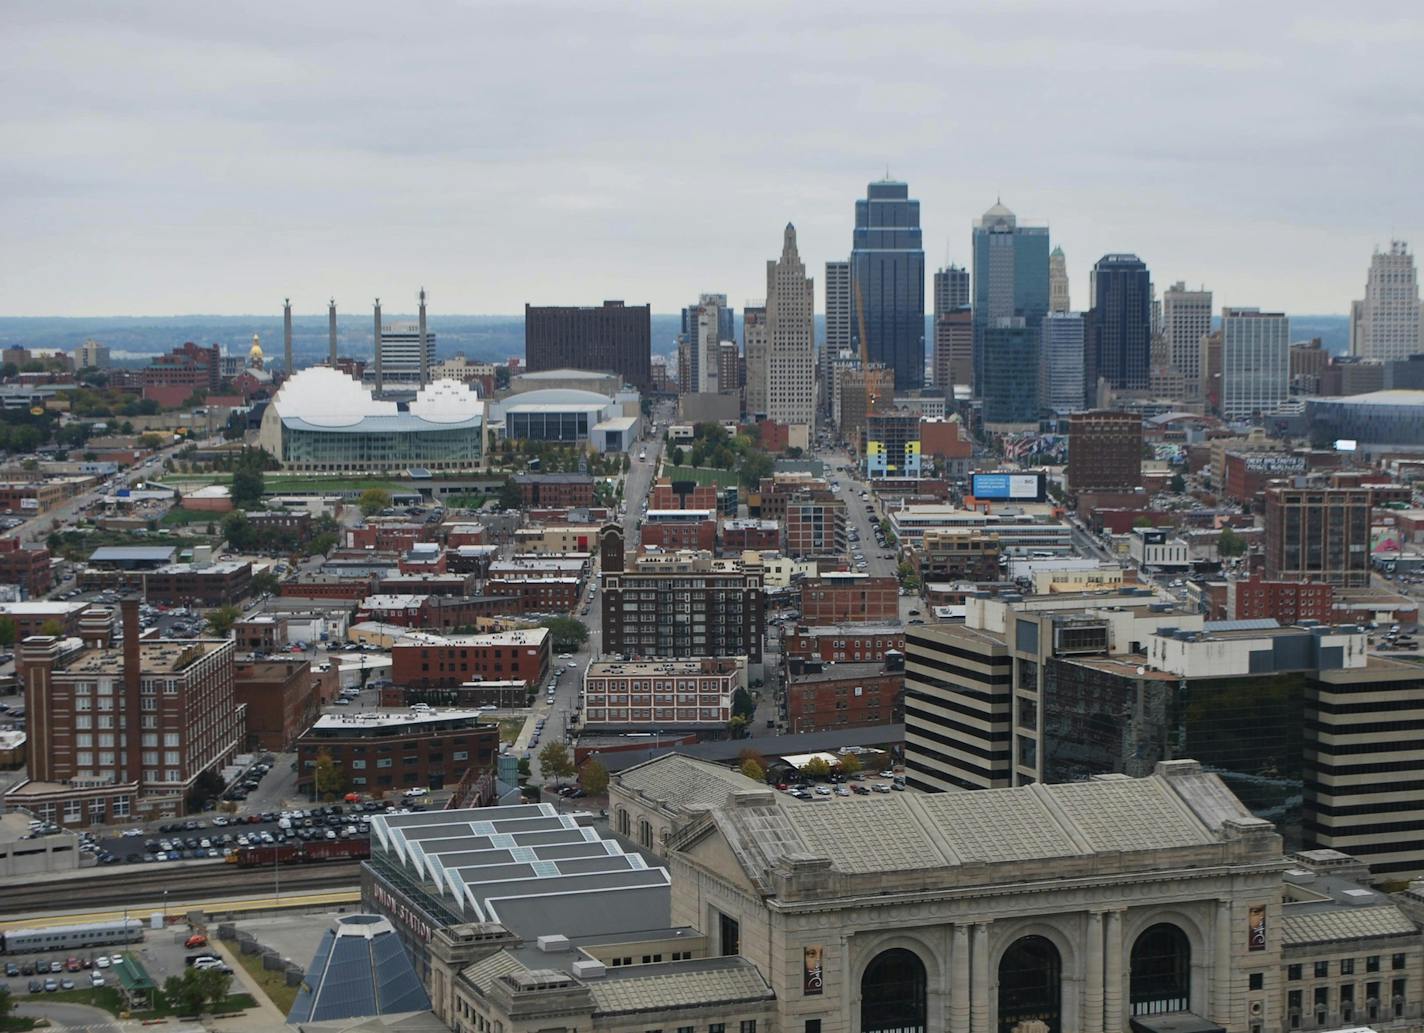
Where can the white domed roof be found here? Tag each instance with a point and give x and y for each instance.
(327, 397)
(446, 401)
(998, 214)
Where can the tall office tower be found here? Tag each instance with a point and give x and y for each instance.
(1211, 371)
(1186, 319)
(331, 331)
(1255, 362)
(705, 326)
(943, 750)
(1010, 280)
(1010, 370)
(401, 359)
(791, 337)
(954, 350)
(838, 315)
(1104, 451)
(951, 290)
(614, 337)
(376, 336)
(754, 345)
(1119, 343)
(1319, 534)
(684, 367)
(1385, 324)
(729, 368)
(1058, 300)
(887, 270)
(1060, 362)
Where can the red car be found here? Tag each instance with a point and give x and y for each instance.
(196, 940)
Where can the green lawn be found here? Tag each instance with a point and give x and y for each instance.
(509, 728)
(702, 475)
(177, 517)
(110, 1000)
(16, 1023)
(273, 984)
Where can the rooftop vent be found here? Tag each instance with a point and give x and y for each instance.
(589, 968)
(553, 943)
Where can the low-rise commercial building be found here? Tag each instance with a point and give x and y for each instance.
(537, 594)
(664, 694)
(29, 568)
(823, 697)
(555, 489)
(376, 752)
(282, 699)
(839, 597)
(839, 643)
(741, 534)
(433, 661)
(199, 584)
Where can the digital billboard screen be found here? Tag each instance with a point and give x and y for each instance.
(1020, 487)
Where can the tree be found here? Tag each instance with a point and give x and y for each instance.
(265, 583)
(1143, 521)
(569, 635)
(676, 456)
(849, 765)
(1179, 484)
(755, 465)
(753, 754)
(816, 767)
(7, 1003)
(328, 778)
(742, 704)
(53, 628)
(207, 786)
(248, 485)
(752, 770)
(524, 769)
(509, 495)
(7, 632)
(215, 985)
(593, 776)
(221, 620)
(186, 993)
(1230, 544)
(554, 760)
(737, 727)
(373, 500)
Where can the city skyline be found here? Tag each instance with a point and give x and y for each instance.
(280, 165)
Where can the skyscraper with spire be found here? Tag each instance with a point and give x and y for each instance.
(1385, 324)
(790, 338)
(887, 269)
(1058, 300)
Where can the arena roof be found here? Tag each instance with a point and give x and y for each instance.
(320, 398)
(1393, 397)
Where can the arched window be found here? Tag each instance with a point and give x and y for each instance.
(1161, 971)
(645, 833)
(892, 993)
(1031, 984)
(623, 823)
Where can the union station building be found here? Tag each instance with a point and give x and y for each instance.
(1151, 905)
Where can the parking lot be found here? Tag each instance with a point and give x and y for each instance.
(162, 953)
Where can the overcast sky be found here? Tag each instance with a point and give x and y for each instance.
(211, 158)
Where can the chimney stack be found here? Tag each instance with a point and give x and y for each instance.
(380, 381)
(331, 330)
(133, 696)
(37, 656)
(287, 336)
(424, 359)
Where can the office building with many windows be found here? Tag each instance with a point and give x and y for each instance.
(887, 269)
(1255, 363)
(1010, 281)
(1119, 341)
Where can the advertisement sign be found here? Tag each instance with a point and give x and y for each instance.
(813, 972)
(1024, 487)
(29, 503)
(1256, 928)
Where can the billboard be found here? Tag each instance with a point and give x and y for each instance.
(813, 977)
(1020, 487)
(1256, 928)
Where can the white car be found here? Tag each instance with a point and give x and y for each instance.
(573, 665)
(102, 961)
(417, 791)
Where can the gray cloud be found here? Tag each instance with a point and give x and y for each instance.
(167, 157)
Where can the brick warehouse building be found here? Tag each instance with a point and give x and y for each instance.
(428, 661)
(386, 752)
(841, 642)
(282, 701)
(122, 733)
(823, 697)
(840, 597)
(555, 489)
(28, 568)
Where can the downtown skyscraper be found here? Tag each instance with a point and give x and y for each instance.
(1255, 362)
(887, 269)
(1010, 281)
(1385, 324)
(839, 313)
(790, 368)
(1186, 321)
(1119, 339)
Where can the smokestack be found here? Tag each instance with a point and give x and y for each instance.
(37, 656)
(331, 330)
(380, 380)
(424, 359)
(133, 679)
(287, 336)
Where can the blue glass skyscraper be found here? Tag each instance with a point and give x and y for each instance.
(1119, 341)
(887, 278)
(1010, 281)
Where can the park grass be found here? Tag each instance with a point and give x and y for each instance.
(702, 475)
(17, 1023)
(509, 728)
(109, 999)
(273, 984)
(179, 517)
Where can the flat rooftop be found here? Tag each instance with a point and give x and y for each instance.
(385, 719)
(160, 656)
(523, 637)
(700, 666)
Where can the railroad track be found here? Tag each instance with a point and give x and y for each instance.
(185, 886)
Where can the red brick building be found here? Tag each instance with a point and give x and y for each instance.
(327, 586)
(427, 584)
(409, 611)
(281, 699)
(445, 663)
(188, 584)
(191, 366)
(740, 535)
(537, 594)
(389, 752)
(446, 612)
(465, 534)
(388, 537)
(1248, 474)
(843, 643)
(680, 529)
(826, 697)
(685, 495)
(1288, 602)
(28, 568)
(555, 489)
(816, 527)
(843, 598)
